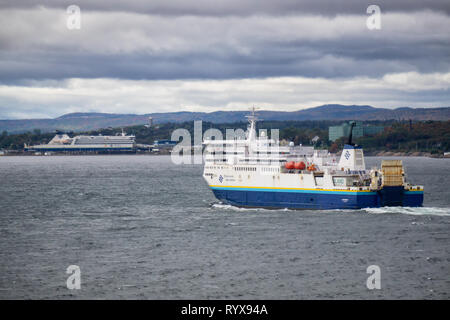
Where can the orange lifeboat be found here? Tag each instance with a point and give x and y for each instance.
(290, 165)
(300, 165)
(312, 167)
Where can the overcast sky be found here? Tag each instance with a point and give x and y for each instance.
(144, 56)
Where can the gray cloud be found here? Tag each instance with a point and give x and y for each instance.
(231, 45)
(140, 46)
(239, 7)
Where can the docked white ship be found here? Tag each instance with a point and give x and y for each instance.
(258, 172)
(109, 144)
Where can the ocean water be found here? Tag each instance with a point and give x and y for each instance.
(140, 227)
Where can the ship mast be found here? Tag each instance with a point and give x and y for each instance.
(252, 121)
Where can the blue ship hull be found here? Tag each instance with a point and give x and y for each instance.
(317, 199)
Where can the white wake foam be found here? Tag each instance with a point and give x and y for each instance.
(415, 211)
(234, 208)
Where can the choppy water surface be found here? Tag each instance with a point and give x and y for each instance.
(140, 227)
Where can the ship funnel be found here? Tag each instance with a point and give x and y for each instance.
(352, 158)
(350, 136)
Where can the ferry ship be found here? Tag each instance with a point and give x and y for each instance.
(61, 142)
(257, 172)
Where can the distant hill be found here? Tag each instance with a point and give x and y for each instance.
(91, 121)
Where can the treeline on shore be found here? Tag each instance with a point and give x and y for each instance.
(399, 136)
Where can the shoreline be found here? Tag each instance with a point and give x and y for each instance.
(404, 154)
(366, 154)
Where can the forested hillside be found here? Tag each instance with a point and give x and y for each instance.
(398, 136)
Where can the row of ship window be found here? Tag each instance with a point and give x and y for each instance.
(266, 161)
(244, 169)
(264, 169)
(263, 160)
(241, 152)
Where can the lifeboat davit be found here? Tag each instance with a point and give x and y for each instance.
(290, 165)
(300, 165)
